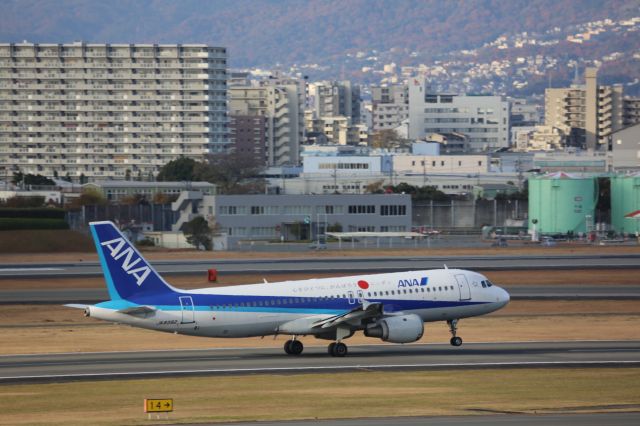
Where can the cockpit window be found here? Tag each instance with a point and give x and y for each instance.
(484, 284)
(489, 284)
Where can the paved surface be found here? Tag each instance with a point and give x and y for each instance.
(338, 264)
(517, 292)
(235, 361)
(612, 419)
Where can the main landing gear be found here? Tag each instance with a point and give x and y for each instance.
(293, 347)
(453, 327)
(338, 349)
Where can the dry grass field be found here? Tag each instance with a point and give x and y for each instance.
(324, 396)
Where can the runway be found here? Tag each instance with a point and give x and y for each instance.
(337, 264)
(240, 361)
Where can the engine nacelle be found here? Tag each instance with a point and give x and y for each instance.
(400, 329)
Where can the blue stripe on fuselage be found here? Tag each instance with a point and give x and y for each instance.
(283, 304)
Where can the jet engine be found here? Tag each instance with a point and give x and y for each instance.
(397, 329)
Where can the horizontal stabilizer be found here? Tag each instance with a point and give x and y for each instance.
(77, 306)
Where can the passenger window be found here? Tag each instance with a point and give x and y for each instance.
(386, 293)
(439, 288)
(404, 291)
(393, 292)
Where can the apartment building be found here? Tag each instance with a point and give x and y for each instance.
(390, 106)
(630, 111)
(484, 120)
(282, 108)
(247, 136)
(335, 98)
(97, 111)
(591, 111)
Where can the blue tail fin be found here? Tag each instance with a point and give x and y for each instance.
(126, 272)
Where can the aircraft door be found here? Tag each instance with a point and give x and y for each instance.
(463, 287)
(188, 310)
(360, 296)
(352, 299)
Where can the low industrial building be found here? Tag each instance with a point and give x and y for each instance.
(115, 190)
(294, 217)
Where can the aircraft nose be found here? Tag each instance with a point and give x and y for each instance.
(503, 297)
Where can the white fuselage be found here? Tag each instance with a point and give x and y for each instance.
(262, 309)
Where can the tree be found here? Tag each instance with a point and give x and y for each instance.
(388, 139)
(17, 178)
(134, 199)
(162, 198)
(374, 187)
(89, 196)
(233, 173)
(24, 202)
(180, 169)
(418, 193)
(30, 179)
(198, 233)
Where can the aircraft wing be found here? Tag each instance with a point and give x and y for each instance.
(366, 310)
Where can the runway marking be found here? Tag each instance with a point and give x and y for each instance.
(604, 350)
(239, 348)
(29, 269)
(266, 370)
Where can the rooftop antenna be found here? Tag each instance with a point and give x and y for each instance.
(576, 79)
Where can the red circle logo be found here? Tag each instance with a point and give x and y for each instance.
(363, 284)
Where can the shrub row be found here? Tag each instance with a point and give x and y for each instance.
(41, 213)
(10, 223)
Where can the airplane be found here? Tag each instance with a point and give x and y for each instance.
(392, 307)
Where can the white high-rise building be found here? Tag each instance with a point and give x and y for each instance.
(97, 111)
(484, 120)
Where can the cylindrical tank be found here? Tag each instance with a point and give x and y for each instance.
(625, 200)
(561, 203)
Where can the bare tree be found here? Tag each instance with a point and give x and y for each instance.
(232, 173)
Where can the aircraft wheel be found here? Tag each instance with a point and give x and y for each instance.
(339, 350)
(331, 348)
(296, 347)
(456, 341)
(287, 347)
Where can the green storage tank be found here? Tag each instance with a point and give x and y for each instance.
(561, 202)
(625, 200)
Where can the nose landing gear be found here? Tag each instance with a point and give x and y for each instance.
(453, 327)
